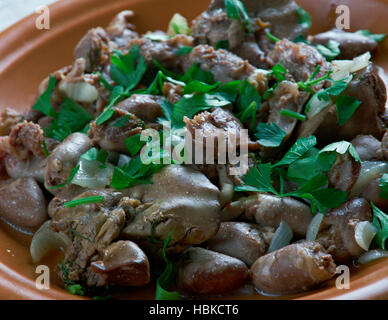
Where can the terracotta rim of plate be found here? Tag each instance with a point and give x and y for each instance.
(371, 283)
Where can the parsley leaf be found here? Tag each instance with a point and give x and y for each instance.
(134, 144)
(383, 184)
(182, 51)
(191, 104)
(222, 44)
(44, 101)
(346, 106)
(258, 179)
(304, 19)
(78, 202)
(133, 173)
(342, 147)
(301, 146)
(270, 135)
(167, 277)
(235, 10)
(331, 51)
(380, 221)
(72, 118)
(128, 70)
(376, 37)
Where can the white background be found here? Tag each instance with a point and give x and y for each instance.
(14, 10)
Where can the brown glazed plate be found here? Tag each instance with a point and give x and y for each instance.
(28, 55)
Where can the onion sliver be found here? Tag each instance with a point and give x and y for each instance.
(91, 175)
(313, 228)
(80, 91)
(343, 68)
(365, 232)
(372, 255)
(45, 240)
(281, 238)
(315, 106)
(370, 170)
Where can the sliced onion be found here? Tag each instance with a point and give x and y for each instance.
(361, 62)
(315, 106)
(281, 238)
(156, 36)
(91, 175)
(370, 170)
(180, 23)
(313, 228)
(372, 255)
(80, 91)
(365, 232)
(124, 160)
(45, 240)
(343, 68)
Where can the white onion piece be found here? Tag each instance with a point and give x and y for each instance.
(45, 241)
(281, 238)
(365, 232)
(372, 255)
(343, 68)
(313, 228)
(315, 106)
(80, 91)
(178, 25)
(91, 175)
(361, 62)
(370, 170)
(123, 160)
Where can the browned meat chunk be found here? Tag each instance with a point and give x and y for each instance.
(122, 263)
(286, 96)
(213, 126)
(293, 269)
(368, 147)
(111, 137)
(8, 119)
(344, 173)
(64, 158)
(120, 30)
(368, 88)
(204, 272)
(94, 48)
(144, 106)
(337, 233)
(213, 26)
(165, 52)
(244, 241)
(180, 199)
(269, 210)
(22, 204)
(92, 227)
(223, 65)
(299, 59)
(351, 44)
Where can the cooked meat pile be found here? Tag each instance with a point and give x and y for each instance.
(311, 197)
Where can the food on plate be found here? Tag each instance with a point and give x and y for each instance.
(306, 190)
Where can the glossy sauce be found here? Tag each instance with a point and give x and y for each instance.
(45, 52)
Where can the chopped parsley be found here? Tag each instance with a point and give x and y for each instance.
(304, 19)
(235, 9)
(269, 135)
(376, 37)
(43, 104)
(330, 51)
(82, 201)
(380, 221)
